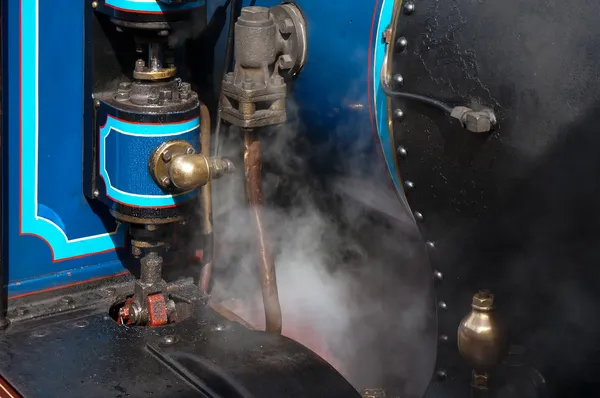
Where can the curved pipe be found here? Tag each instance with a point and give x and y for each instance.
(266, 266)
(206, 203)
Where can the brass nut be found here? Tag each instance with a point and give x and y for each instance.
(483, 300)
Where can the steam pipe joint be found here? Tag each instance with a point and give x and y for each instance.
(270, 44)
(175, 166)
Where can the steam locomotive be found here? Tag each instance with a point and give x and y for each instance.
(405, 190)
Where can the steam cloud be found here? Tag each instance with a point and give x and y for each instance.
(350, 286)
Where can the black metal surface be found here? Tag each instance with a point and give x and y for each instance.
(512, 211)
(77, 355)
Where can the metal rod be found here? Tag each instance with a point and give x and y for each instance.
(266, 267)
(206, 200)
(154, 56)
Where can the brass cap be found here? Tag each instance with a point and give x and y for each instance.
(483, 300)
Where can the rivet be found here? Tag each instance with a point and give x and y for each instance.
(96, 193)
(398, 114)
(94, 4)
(111, 290)
(443, 305)
(430, 244)
(438, 275)
(418, 216)
(398, 79)
(81, 323)
(402, 151)
(170, 339)
(443, 338)
(441, 374)
(409, 8)
(66, 300)
(22, 311)
(409, 184)
(401, 43)
(39, 333)
(97, 103)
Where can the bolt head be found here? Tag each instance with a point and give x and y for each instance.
(166, 181)
(438, 275)
(409, 184)
(190, 151)
(96, 193)
(166, 155)
(443, 305)
(478, 122)
(430, 244)
(286, 62)
(255, 14)
(409, 8)
(443, 338)
(94, 4)
(402, 151)
(286, 26)
(418, 216)
(140, 64)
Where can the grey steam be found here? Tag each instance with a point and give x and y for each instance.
(351, 282)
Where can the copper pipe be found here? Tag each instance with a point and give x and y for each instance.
(266, 267)
(206, 200)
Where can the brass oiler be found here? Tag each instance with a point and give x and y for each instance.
(482, 338)
(175, 165)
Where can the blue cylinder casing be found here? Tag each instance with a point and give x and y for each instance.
(126, 140)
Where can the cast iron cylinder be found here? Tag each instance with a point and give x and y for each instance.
(255, 34)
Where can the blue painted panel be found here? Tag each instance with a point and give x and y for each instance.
(152, 6)
(52, 229)
(124, 150)
(338, 93)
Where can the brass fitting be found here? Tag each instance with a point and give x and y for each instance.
(482, 339)
(175, 165)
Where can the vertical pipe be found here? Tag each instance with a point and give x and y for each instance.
(266, 267)
(206, 200)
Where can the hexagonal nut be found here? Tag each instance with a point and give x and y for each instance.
(478, 122)
(479, 381)
(247, 85)
(373, 393)
(256, 14)
(483, 300)
(286, 62)
(286, 26)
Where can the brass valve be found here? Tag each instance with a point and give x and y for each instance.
(175, 165)
(482, 339)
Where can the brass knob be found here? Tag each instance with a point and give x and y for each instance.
(174, 165)
(482, 339)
